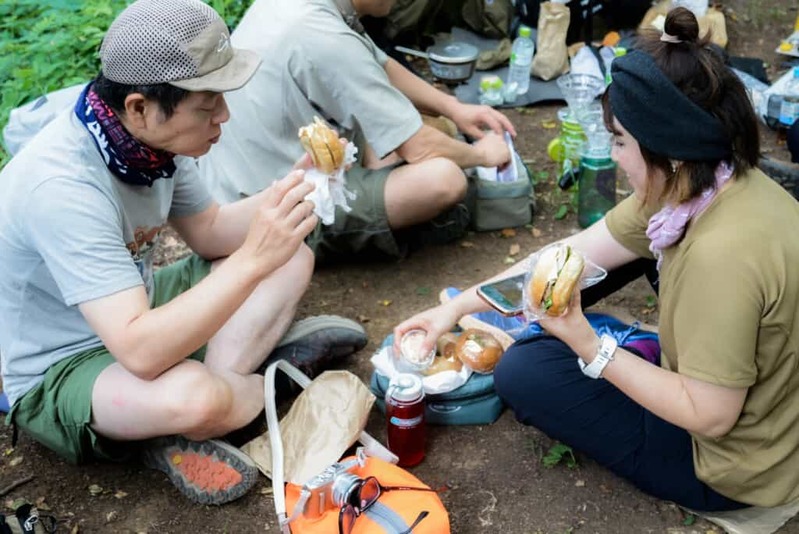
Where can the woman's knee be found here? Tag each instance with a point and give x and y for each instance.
(528, 375)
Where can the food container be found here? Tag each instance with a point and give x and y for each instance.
(411, 357)
(451, 62)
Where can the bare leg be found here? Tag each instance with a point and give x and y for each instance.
(245, 341)
(416, 193)
(203, 401)
(187, 399)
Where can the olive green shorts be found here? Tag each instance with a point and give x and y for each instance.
(58, 411)
(364, 231)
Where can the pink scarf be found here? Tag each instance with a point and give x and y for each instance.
(667, 226)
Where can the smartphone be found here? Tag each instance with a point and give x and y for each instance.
(505, 295)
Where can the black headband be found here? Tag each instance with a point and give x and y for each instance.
(659, 116)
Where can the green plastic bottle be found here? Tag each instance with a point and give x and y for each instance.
(597, 190)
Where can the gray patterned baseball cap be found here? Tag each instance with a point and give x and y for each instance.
(184, 43)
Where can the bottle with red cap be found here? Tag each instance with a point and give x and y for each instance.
(405, 418)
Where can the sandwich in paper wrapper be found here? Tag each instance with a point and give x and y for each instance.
(330, 159)
(553, 274)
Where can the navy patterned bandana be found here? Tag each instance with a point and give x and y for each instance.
(128, 159)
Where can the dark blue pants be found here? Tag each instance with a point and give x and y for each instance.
(540, 380)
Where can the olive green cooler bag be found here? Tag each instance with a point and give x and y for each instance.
(498, 205)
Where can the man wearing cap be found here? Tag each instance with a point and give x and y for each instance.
(99, 351)
(317, 60)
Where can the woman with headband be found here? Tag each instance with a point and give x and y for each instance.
(708, 416)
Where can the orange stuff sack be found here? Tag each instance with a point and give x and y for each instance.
(395, 510)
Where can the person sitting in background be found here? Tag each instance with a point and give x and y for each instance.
(317, 60)
(714, 426)
(99, 352)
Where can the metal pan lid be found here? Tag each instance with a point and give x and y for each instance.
(453, 52)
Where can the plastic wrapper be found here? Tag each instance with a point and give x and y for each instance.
(591, 275)
(331, 190)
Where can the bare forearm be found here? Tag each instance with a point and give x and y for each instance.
(424, 96)
(221, 233)
(163, 336)
(430, 143)
(696, 406)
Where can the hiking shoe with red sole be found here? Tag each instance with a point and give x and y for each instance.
(207, 472)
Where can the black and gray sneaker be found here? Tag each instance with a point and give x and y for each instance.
(315, 343)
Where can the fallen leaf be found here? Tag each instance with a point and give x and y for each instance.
(385, 302)
(562, 211)
(580, 483)
(15, 461)
(508, 232)
(41, 505)
(549, 124)
(514, 249)
(537, 232)
(467, 244)
(111, 516)
(120, 494)
(508, 260)
(363, 318)
(8, 452)
(94, 489)
(75, 530)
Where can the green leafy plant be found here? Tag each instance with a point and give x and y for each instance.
(47, 45)
(559, 453)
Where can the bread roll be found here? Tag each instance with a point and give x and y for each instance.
(322, 143)
(478, 350)
(445, 359)
(556, 274)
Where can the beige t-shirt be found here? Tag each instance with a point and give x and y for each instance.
(729, 315)
(313, 63)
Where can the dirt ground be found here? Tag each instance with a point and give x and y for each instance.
(492, 477)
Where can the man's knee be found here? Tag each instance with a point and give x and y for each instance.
(200, 399)
(448, 182)
(302, 265)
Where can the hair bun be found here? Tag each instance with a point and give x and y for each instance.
(682, 24)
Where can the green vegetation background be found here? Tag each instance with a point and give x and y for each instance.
(47, 45)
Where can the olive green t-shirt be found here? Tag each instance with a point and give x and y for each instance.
(729, 315)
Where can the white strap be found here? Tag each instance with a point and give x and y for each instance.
(273, 426)
(372, 447)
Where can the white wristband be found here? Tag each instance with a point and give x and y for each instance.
(604, 355)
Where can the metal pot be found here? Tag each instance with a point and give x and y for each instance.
(451, 62)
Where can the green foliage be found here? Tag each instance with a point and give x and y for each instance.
(559, 453)
(47, 45)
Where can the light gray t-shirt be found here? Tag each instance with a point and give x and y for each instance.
(71, 232)
(313, 64)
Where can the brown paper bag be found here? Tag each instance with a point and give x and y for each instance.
(322, 423)
(551, 56)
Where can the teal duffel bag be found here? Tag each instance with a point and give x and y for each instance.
(474, 403)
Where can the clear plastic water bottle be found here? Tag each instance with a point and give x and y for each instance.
(521, 58)
(789, 109)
